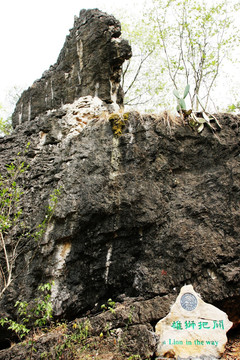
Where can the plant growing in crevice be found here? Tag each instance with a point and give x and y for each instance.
(109, 306)
(118, 123)
(197, 120)
(36, 314)
(130, 316)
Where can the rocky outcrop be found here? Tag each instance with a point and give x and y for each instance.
(89, 64)
(111, 335)
(140, 214)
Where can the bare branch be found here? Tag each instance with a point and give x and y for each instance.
(138, 71)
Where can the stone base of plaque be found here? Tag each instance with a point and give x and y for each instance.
(193, 330)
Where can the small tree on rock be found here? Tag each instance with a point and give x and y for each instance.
(15, 232)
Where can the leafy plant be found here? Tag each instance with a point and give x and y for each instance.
(196, 120)
(20, 329)
(181, 102)
(15, 233)
(5, 123)
(234, 107)
(130, 316)
(199, 120)
(109, 306)
(5, 126)
(36, 314)
(78, 336)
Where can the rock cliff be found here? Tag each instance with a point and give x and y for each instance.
(139, 214)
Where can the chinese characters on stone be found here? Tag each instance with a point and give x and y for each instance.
(211, 325)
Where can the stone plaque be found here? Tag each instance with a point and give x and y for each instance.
(193, 329)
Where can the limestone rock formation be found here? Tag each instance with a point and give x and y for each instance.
(139, 215)
(89, 64)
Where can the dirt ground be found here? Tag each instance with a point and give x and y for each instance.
(108, 350)
(233, 346)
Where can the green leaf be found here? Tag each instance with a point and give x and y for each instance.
(182, 104)
(186, 91)
(176, 93)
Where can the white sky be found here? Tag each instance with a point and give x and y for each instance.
(33, 33)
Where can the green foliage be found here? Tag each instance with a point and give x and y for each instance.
(78, 336)
(10, 196)
(118, 123)
(109, 306)
(35, 314)
(195, 120)
(5, 123)
(12, 97)
(195, 37)
(15, 228)
(234, 107)
(141, 66)
(130, 316)
(40, 229)
(198, 122)
(181, 101)
(5, 126)
(178, 42)
(20, 329)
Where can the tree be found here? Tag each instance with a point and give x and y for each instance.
(5, 123)
(5, 112)
(191, 40)
(139, 67)
(15, 232)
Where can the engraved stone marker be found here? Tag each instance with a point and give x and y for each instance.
(193, 329)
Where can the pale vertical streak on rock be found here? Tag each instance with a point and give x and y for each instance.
(108, 262)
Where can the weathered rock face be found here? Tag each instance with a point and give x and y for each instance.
(89, 64)
(139, 215)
